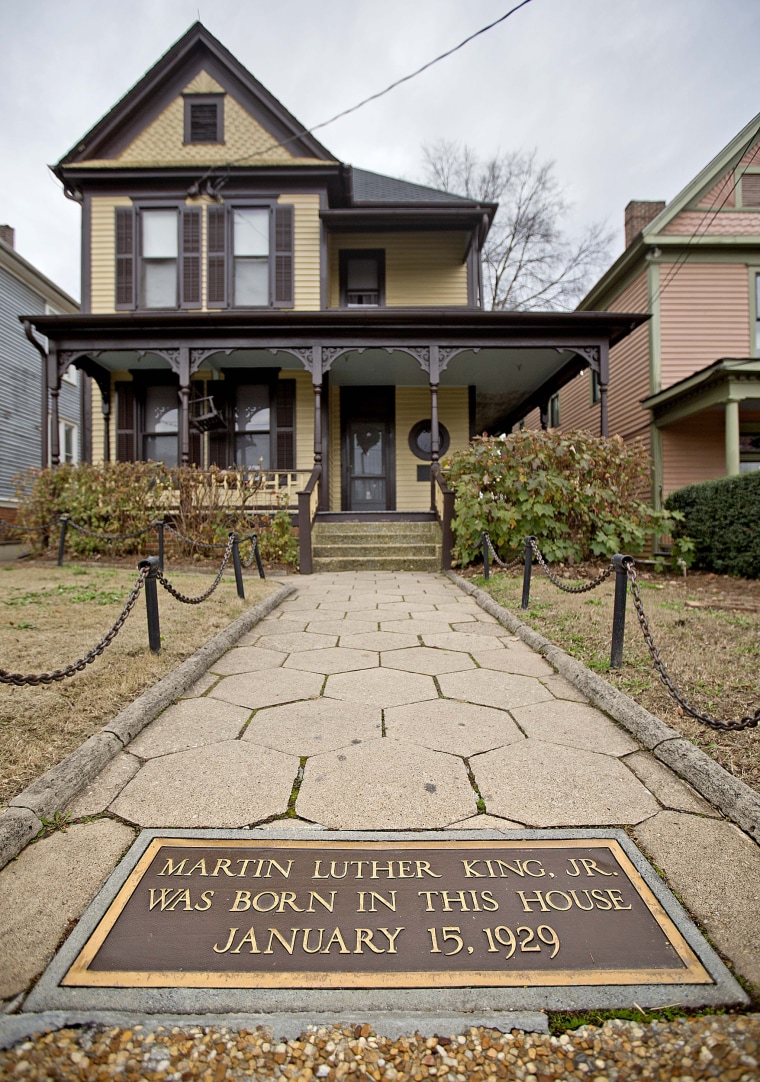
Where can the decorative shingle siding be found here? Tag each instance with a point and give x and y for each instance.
(705, 315)
(423, 269)
(723, 224)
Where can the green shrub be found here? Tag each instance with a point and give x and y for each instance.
(721, 518)
(575, 492)
(278, 542)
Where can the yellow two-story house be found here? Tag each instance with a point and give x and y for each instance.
(250, 302)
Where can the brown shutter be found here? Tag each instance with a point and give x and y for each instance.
(125, 421)
(125, 257)
(283, 256)
(220, 441)
(216, 291)
(191, 257)
(285, 412)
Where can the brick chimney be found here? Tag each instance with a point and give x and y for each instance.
(7, 235)
(638, 214)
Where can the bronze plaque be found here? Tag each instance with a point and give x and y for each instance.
(352, 914)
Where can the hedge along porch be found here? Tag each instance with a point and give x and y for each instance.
(352, 409)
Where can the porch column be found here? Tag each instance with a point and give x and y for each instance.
(105, 408)
(54, 385)
(732, 437)
(435, 433)
(604, 379)
(316, 376)
(184, 408)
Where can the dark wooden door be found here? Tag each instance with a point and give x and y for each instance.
(368, 459)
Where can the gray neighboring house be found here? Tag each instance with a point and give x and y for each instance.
(24, 441)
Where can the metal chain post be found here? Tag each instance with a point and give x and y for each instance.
(160, 530)
(151, 565)
(257, 554)
(618, 611)
(237, 567)
(62, 539)
(486, 568)
(530, 542)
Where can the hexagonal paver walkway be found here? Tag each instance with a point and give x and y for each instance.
(380, 700)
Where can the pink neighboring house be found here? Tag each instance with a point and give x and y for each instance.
(685, 386)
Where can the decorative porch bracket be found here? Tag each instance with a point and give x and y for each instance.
(85, 361)
(598, 358)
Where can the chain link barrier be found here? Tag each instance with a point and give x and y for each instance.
(202, 597)
(34, 679)
(504, 566)
(747, 722)
(109, 536)
(592, 585)
(27, 529)
(254, 543)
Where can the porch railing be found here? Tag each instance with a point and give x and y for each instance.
(308, 505)
(443, 505)
(272, 489)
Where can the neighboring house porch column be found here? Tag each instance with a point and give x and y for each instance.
(732, 437)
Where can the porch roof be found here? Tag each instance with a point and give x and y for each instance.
(730, 378)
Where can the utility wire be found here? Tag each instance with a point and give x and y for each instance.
(372, 97)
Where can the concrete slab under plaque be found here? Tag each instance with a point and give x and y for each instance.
(527, 922)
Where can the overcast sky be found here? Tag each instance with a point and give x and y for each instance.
(630, 98)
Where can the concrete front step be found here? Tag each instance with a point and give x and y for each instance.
(376, 546)
(376, 563)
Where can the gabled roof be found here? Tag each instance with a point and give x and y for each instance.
(376, 188)
(26, 272)
(196, 49)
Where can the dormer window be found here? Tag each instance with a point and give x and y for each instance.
(204, 118)
(362, 278)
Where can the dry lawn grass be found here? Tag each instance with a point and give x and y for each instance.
(51, 616)
(706, 627)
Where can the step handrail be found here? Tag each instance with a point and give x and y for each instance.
(308, 505)
(443, 504)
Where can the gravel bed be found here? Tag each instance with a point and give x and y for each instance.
(722, 1047)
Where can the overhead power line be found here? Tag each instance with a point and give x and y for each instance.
(372, 97)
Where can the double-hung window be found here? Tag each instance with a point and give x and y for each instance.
(362, 278)
(158, 257)
(159, 252)
(161, 424)
(250, 257)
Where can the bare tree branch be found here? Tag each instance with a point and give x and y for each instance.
(528, 260)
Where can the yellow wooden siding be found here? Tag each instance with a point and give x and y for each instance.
(162, 141)
(304, 417)
(413, 405)
(694, 450)
(704, 316)
(629, 378)
(307, 244)
(421, 269)
(334, 449)
(102, 251)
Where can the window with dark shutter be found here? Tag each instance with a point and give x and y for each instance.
(125, 421)
(216, 291)
(751, 190)
(191, 257)
(285, 404)
(283, 256)
(125, 257)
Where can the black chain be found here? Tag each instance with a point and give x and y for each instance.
(189, 540)
(505, 566)
(203, 597)
(254, 545)
(20, 680)
(560, 585)
(747, 722)
(110, 536)
(25, 529)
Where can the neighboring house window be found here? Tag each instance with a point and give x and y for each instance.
(204, 118)
(757, 315)
(68, 441)
(250, 261)
(71, 375)
(362, 278)
(596, 390)
(749, 450)
(158, 257)
(554, 411)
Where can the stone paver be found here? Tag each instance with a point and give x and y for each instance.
(486, 822)
(484, 628)
(297, 640)
(349, 626)
(209, 787)
(715, 869)
(337, 659)
(575, 724)
(522, 663)
(311, 727)
(267, 688)
(562, 688)
(455, 640)
(381, 687)
(544, 785)
(201, 685)
(457, 728)
(392, 787)
(424, 660)
(489, 688)
(670, 790)
(422, 625)
(96, 796)
(46, 888)
(191, 723)
(379, 640)
(247, 659)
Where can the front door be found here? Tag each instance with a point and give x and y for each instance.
(367, 424)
